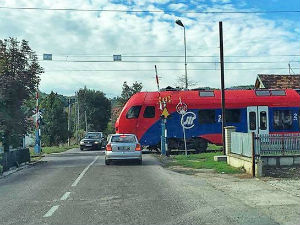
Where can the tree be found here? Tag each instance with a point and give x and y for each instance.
(180, 82)
(19, 79)
(54, 125)
(96, 107)
(128, 91)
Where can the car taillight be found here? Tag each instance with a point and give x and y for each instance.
(138, 147)
(108, 147)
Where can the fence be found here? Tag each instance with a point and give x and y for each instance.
(14, 157)
(241, 144)
(277, 145)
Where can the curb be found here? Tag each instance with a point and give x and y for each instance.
(13, 170)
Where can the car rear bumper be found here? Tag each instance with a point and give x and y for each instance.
(90, 145)
(123, 155)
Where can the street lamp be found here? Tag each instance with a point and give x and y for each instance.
(178, 22)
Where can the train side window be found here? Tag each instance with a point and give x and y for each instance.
(278, 92)
(134, 112)
(207, 116)
(283, 119)
(262, 92)
(299, 119)
(263, 120)
(149, 112)
(233, 115)
(252, 120)
(206, 93)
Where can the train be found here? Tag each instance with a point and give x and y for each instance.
(260, 111)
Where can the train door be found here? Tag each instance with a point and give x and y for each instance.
(258, 119)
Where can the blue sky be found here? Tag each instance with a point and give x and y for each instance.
(82, 43)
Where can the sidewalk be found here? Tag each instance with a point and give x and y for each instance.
(279, 198)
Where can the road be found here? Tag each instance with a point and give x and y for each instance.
(77, 188)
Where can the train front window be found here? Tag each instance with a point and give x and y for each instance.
(206, 116)
(149, 112)
(283, 119)
(263, 120)
(133, 112)
(233, 115)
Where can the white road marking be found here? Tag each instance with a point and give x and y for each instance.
(83, 172)
(65, 196)
(51, 211)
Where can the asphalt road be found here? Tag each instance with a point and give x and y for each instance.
(77, 188)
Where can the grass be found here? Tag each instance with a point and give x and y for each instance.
(203, 161)
(49, 150)
(214, 147)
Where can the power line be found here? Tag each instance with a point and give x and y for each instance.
(156, 61)
(169, 56)
(150, 11)
(145, 70)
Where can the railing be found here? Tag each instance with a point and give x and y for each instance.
(275, 144)
(14, 157)
(241, 143)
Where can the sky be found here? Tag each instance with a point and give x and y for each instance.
(144, 33)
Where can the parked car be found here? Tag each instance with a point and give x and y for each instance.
(92, 140)
(123, 147)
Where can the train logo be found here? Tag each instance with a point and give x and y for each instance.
(187, 120)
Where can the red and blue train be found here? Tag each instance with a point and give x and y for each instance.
(260, 111)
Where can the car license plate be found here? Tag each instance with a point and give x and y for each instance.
(124, 148)
(88, 145)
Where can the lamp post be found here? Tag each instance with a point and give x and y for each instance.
(178, 22)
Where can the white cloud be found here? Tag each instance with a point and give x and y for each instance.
(153, 34)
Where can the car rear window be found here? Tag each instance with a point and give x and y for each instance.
(123, 138)
(93, 135)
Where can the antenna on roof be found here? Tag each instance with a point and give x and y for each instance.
(290, 69)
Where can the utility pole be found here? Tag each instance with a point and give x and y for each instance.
(86, 127)
(69, 112)
(222, 85)
(78, 121)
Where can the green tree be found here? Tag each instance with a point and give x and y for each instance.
(19, 79)
(54, 120)
(96, 107)
(128, 91)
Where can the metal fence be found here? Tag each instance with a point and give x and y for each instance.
(274, 144)
(241, 144)
(14, 157)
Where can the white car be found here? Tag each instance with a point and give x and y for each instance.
(123, 147)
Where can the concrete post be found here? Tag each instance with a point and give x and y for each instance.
(228, 131)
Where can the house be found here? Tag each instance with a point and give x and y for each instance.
(272, 81)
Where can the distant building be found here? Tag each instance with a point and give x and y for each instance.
(272, 81)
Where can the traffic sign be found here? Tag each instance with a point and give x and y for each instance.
(47, 56)
(165, 113)
(181, 107)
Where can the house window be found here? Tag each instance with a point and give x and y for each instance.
(233, 115)
(149, 112)
(133, 112)
(207, 116)
(283, 120)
